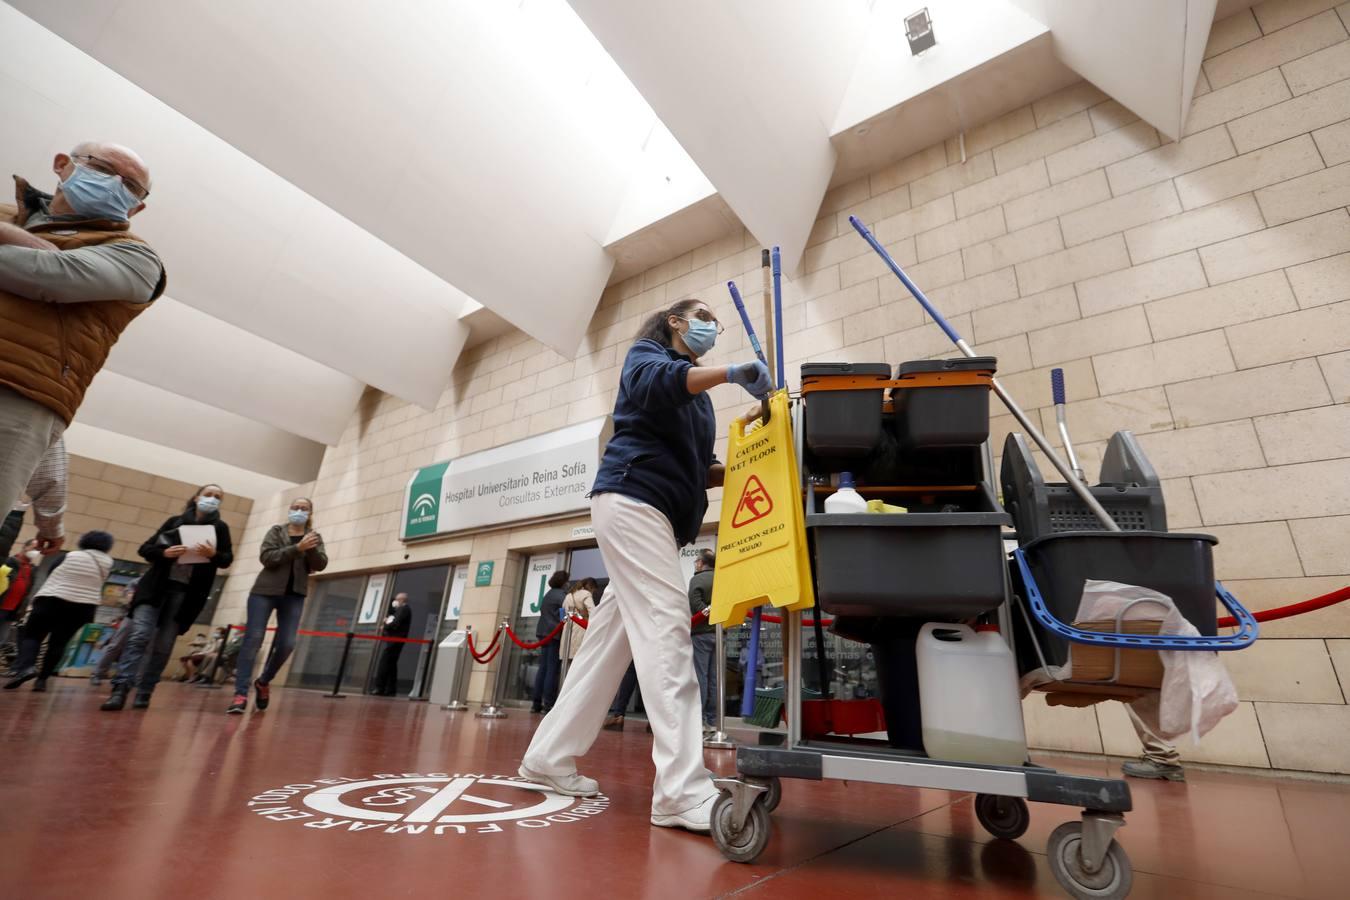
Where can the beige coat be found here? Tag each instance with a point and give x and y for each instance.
(578, 603)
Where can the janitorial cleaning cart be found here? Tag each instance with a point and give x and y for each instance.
(918, 567)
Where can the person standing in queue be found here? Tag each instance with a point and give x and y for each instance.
(396, 624)
(290, 554)
(65, 604)
(580, 604)
(704, 635)
(648, 500)
(170, 596)
(550, 655)
(22, 569)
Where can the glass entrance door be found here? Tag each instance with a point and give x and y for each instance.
(425, 588)
(331, 607)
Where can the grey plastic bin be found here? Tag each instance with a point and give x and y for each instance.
(933, 414)
(847, 423)
(938, 564)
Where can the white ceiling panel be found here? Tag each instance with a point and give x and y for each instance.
(184, 350)
(749, 89)
(491, 142)
(1145, 53)
(239, 242)
(168, 462)
(970, 33)
(135, 409)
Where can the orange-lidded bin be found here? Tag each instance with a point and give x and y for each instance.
(943, 402)
(843, 407)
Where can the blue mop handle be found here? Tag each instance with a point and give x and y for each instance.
(751, 668)
(900, 273)
(778, 317)
(1057, 386)
(745, 320)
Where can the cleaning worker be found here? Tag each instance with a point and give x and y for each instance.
(648, 500)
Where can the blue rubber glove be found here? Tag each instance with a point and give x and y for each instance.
(753, 376)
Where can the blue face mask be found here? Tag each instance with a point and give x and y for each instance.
(95, 195)
(297, 517)
(208, 505)
(700, 337)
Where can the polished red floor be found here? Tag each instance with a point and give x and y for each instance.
(184, 801)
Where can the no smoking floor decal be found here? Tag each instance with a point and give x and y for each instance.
(437, 803)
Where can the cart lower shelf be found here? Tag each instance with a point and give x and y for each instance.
(1084, 856)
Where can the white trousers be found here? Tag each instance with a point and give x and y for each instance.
(643, 618)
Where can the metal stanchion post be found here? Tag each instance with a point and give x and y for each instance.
(719, 739)
(494, 710)
(566, 642)
(210, 682)
(420, 695)
(342, 669)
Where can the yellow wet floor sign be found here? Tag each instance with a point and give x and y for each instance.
(761, 540)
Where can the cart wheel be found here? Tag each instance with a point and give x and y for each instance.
(1003, 817)
(774, 795)
(1112, 881)
(748, 843)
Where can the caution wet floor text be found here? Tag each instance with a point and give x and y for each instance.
(761, 540)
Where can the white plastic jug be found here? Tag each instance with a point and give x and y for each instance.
(845, 499)
(968, 696)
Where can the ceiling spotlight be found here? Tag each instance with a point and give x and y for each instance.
(919, 30)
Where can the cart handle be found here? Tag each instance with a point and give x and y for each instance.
(1244, 637)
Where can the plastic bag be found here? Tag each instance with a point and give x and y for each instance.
(1197, 692)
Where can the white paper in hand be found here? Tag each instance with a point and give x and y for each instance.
(191, 536)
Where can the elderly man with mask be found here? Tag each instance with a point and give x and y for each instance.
(72, 277)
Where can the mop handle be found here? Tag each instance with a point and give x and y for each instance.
(754, 342)
(752, 669)
(766, 295)
(1076, 485)
(778, 317)
(900, 273)
(1061, 419)
(1057, 386)
(745, 320)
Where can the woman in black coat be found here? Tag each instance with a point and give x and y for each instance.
(171, 595)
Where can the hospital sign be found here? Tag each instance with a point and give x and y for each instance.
(542, 476)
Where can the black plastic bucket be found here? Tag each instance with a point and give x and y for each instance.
(1179, 566)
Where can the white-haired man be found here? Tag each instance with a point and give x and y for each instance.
(72, 277)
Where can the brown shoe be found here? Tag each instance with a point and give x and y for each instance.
(613, 723)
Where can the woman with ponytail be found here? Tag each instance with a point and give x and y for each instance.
(648, 500)
(170, 595)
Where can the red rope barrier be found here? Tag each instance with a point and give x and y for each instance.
(343, 634)
(693, 620)
(485, 656)
(1293, 609)
(536, 644)
(776, 619)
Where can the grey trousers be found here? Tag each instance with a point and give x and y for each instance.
(1144, 717)
(705, 667)
(27, 429)
(112, 651)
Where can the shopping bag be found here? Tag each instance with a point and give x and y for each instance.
(761, 539)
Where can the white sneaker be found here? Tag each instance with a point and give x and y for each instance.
(696, 819)
(573, 785)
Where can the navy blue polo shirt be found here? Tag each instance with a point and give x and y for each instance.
(663, 439)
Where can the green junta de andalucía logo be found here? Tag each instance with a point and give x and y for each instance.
(424, 501)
